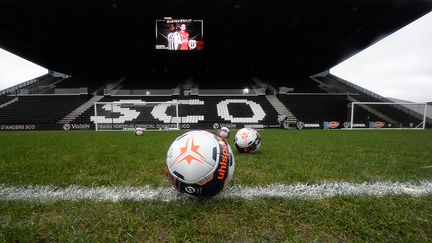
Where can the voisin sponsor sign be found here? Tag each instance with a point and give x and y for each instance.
(76, 126)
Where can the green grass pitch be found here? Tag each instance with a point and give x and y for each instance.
(286, 157)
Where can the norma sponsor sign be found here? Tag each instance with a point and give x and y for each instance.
(302, 125)
(355, 125)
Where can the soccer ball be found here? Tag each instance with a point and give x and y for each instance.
(199, 163)
(139, 131)
(247, 140)
(224, 132)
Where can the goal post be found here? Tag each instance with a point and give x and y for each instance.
(128, 115)
(387, 115)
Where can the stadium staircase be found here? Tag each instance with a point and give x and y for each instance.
(81, 109)
(9, 102)
(281, 109)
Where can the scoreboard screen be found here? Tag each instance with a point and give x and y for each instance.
(179, 34)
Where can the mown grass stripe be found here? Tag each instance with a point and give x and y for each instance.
(40, 193)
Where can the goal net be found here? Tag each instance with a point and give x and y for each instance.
(387, 115)
(125, 116)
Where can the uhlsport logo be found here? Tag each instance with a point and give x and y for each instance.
(66, 127)
(224, 161)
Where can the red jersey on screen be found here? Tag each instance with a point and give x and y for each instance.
(185, 39)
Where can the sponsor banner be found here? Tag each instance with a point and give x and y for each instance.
(228, 125)
(272, 126)
(39, 127)
(303, 125)
(331, 125)
(254, 125)
(355, 125)
(376, 124)
(17, 127)
(132, 126)
(77, 126)
(163, 126)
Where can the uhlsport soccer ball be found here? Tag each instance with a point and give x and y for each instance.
(199, 163)
(224, 132)
(139, 131)
(247, 140)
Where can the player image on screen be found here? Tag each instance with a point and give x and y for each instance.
(174, 39)
(179, 34)
(184, 37)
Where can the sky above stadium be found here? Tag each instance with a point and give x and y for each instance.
(399, 66)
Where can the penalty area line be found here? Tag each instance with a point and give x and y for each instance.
(41, 193)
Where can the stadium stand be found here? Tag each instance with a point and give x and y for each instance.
(151, 81)
(295, 84)
(4, 99)
(91, 83)
(377, 112)
(318, 107)
(325, 98)
(238, 108)
(40, 109)
(223, 81)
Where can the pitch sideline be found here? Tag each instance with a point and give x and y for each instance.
(40, 193)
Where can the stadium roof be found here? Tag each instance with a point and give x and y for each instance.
(117, 36)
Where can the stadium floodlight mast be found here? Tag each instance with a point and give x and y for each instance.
(130, 119)
(402, 107)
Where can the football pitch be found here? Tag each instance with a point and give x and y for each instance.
(301, 186)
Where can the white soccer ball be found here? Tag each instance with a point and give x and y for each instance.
(199, 163)
(139, 131)
(224, 132)
(247, 140)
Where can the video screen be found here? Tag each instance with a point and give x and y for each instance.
(179, 34)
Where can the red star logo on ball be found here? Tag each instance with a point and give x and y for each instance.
(245, 136)
(190, 152)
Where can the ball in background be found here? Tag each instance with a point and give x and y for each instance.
(139, 131)
(247, 140)
(224, 132)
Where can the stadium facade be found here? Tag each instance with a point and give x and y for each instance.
(229, 63)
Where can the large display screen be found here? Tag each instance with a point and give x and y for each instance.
(179, 34)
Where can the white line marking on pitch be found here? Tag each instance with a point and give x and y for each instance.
(37, 193)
